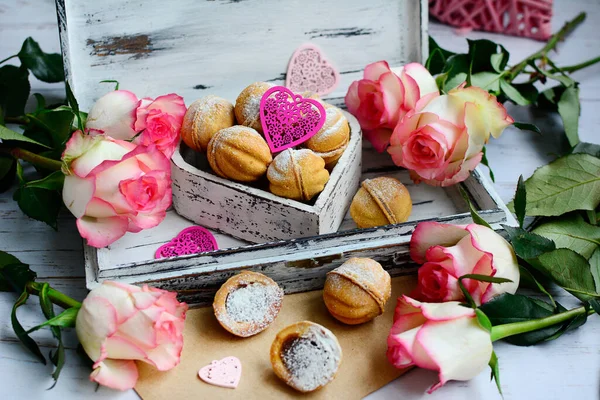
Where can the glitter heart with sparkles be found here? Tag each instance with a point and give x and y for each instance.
(309, 70)
(192, 240)
(225, 373)
(289, 119)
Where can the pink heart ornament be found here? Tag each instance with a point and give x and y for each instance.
(192, 240)
(309, 70)
(289, 119)
(224, 373)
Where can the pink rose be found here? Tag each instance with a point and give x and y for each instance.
(443, 337)
(120, 115)
(441, 141)
(113, 186)
(120, 323)
(160, 122)
(448, 252)
(384, 96)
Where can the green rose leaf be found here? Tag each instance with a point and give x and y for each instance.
(528, 91)
(456, 70)
(527, 127)
(529, 281)
(569, 110)
(508, 308)
(8, 169)
(14, 275)
(528, 245)
(569, 270)
(485, 161)
(437, 58)
(75, 107)
(55, 124)
(489, 81)
(54, 181)
(571, 232)
(14, 90)
(45, 66)
(484, 56)
(495, 370)
(10, 135)
(476, 217)
(483, 320)
(58, 357)
(66, 319)
(520, 201)
(587, 148)
(37, 203)
(569, 183)
(513, 94)
(22, 335)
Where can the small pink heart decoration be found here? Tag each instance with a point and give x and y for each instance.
(192, 240)
(224, 373)
(310, 70)
(289, 119)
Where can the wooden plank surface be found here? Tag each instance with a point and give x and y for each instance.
(564, 369)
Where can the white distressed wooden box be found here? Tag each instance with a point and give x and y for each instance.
(253, 213)
(195, 48)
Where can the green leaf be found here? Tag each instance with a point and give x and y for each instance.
(520, 201)
(571, 232)
(456, 69)
(528, 245)
(484, 161)
(41, 102)
(470, 302)
(527, 127)
(528, 91)
(14, 277)
(14, 90)
(55, 123)
(564, 80)
(73, 103)
(569, 110)
(22, 335)
(595, 303)
(489, 81)
(434, 46)
(65, 319)
(481, 52)
(476, 217)
(483, 320)
(54, 181)
(595, 268)
(10, 135)
(40, 204)
(513, 93)
(569, 183)
(528, 280)
(587, 148)
(47, 67)
(569, 270)
(485, 278)
(508, 308)
(495, 370)
(111, 81)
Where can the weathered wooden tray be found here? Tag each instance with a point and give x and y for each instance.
(196, 48)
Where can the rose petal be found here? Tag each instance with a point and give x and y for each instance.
(430, 233)
(120, 348)
(92, 334)
(114, 114)
(400, 348)
(423, 78)
(100, 232)
(77, 193)
(374, 70)
(379, 138)
(116, 374)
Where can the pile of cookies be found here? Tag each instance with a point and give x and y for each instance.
(232, 138)
(304, 355)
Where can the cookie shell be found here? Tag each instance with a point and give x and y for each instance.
(332, 139)
(247, 105)
(302, 342)
(297, 174)
(204, 118)
(269, 300)
(380, 201)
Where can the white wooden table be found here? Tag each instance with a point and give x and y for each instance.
(563, 369)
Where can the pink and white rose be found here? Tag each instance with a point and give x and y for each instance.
(113, 186)
(119, 323)
(121, 115)
(443, 337)
(384, 96)
(441, 141)
(448, 252)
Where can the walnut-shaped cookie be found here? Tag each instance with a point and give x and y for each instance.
(297, 174)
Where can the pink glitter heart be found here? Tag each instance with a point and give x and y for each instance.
(225, 373)
(289, 119)
(309, 70)
(192, 240)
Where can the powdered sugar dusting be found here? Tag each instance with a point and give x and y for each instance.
(282, 166)
(254, 303)
(312, 359)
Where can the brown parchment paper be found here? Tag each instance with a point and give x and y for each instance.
(364, 367)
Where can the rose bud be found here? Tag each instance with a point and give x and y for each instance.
(114, 115)
(448, 251)
(113, 186)
(443, 337)
(384, 96)
(120, 323)
(441, 141)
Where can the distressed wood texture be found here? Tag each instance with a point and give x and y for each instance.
(198, 47)
(254, 214)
